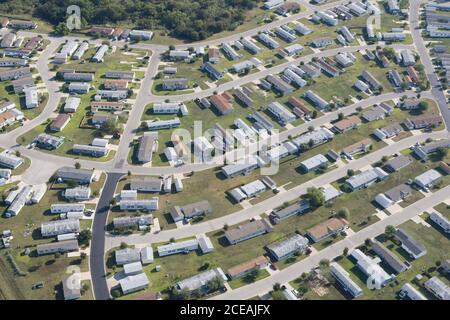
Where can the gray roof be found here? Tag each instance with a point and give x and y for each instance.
(69, 173)
(399, 162)
(344, 279)
(57, 227)
(248, 229)
(438, 288)
(399, 192)
(61, 246)
(145, 183)
(291, 210)
(289, 246)
(389, 257)
(366, 177)
(415, 247)
(200, 280)
(133, 283)
(127, 255)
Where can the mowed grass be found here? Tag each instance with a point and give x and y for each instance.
(26, 232)
(74, 132)
(47, 269)
(444, 209)
(431, 238)
(326, 87)
(210, 184)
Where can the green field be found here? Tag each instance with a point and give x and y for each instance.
(76, 131)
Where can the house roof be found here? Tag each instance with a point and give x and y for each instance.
(288, 246)
(221, 103)
(327, 227)
(247, 266)
(399, 192)
(347, 123)
(414, 246)
(247, 229)
(351, 149)
(399, 162)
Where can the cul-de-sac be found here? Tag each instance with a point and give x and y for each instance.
(225, 150)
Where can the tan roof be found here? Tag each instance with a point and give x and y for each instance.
(213, 53)
(445, 167)
(351, 148)
(221, 103)
(248, 266)
(326, 227)
(6, 116)
(348, 122)
(116, 83)
(296, 102)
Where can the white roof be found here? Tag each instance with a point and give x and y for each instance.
(253, 187)
(383, 201)
(133, 267)
(133, 282)
(205, 244)
(427, 177)
(331, 192)
(147, 255)
(314, 162)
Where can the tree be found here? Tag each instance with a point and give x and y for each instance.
(384, 159)
(350, 172)
(225, 227)
(18, 154)
(390, 231)
(77, 165)
(340, 116)
(442, 152)
(252, 276)
(109, 127)
(115, 293)
(315, 196)
(423, 106)
(324, 264)
(345, 252)
(123, 245)
(84, 237)
(368, 243)
(85, 287)
(343, 213)
(113, 202)
(83, 255)
(61, 29)
(277, 295)
(276, 286)
(215, 284)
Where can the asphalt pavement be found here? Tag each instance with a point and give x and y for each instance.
(97, 253)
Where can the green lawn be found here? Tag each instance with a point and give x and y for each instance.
(433, 241)
(50, 270)
(76, 131)
(240, 282)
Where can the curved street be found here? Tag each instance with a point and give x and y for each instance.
(44, 164)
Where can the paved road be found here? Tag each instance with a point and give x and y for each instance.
(294, 271)
(120, 164)
(426, 61)
(97, 253)
(273, 70)
(272, 202)
(134, 118)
